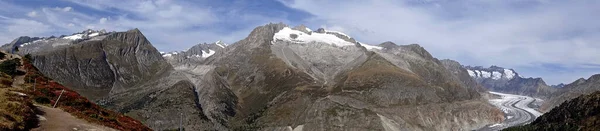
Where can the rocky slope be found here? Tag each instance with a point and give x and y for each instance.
(121, 71)
(573, 90)
(281, 78)
(505, 80)
(581, 113)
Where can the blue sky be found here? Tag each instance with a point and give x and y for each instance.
(553, 39)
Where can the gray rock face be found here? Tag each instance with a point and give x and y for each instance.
(462, 75)
(505, 80)
(263, 83)
(121, 71)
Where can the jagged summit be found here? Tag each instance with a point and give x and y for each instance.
(493, 72)
(507, 80)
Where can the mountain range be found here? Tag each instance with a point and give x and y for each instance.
(277, 78)
(282, 78)
(505, 80)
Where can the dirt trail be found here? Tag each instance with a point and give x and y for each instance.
(55, 119)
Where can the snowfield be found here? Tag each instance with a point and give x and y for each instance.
(288, 34)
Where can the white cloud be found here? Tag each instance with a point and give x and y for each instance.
(103, 20)
(473, 32)
(32, 14)
(21, 27)
(67, 9)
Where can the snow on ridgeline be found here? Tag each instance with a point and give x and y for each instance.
(288, 34)
(220, 44)
(370, 47)
(496, 75)
(509, 73)
(74, 37)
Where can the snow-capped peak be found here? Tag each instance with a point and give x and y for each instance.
(207, 54)
(493, 72)
(509, 74)
(288, 34)
(337, 32)
(85, 34)
(220, 44)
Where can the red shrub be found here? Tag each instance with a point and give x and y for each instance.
(78, 105)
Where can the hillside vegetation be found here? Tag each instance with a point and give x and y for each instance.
(47, 91)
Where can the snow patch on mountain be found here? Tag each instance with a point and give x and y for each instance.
(337, 32)
(94, 34)
(370, 47)
(471, 73)
(74, 37)
(207, 54)
(509, 74)
(493, 72)
(220, 44)
(288, 34)
(496, 75)
(170, 54)
(485, 74)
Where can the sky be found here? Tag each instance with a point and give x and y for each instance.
(552, 39)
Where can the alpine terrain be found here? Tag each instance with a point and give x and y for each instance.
(277, 78)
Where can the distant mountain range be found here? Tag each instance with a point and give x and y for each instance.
(283, 78)
(506, 80)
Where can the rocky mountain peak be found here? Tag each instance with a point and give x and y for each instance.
(595, 77)
(561, 85)
(416, 48)
(388, 44)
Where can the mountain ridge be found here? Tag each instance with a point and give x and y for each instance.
(505, 80)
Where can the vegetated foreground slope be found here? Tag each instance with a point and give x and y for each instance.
(581, 113)
(16, 109)
(48, 90)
